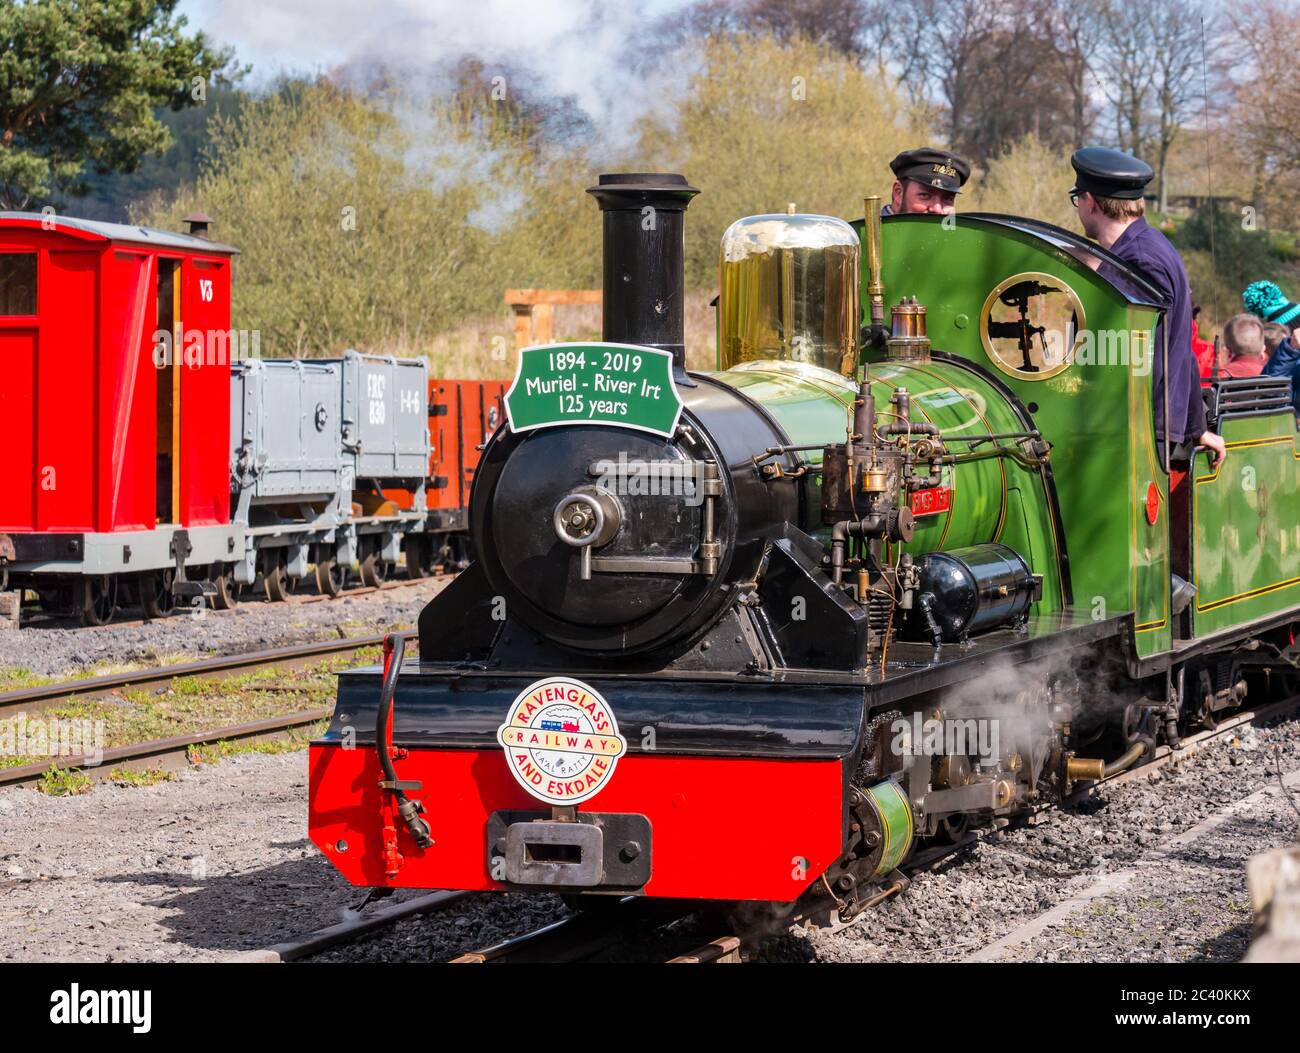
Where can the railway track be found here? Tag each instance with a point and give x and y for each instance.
(1191, 745)
(174, 750)
(353, 928)
(63, 621)
(586, 935)
(579, 937)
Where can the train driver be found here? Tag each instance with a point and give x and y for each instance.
(926, 181)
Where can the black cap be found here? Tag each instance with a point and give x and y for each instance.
(935, 168)
(1109, 173)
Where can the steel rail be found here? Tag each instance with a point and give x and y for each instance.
(353, 929)
(569, 939)
(200, 667)
(723, 950)
(69, 621)
(175, 747)
(1190, 746)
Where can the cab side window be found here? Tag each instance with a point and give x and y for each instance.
(17, 283)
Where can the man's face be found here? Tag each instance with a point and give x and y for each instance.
(1089, 214)
(913, 197)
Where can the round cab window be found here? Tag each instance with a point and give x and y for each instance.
(1032, 325)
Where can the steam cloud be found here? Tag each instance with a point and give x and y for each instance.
(602, 56)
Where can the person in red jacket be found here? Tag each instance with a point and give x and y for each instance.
(1203, 349)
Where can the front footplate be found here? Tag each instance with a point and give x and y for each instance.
(608, 850)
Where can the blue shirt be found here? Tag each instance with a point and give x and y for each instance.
(1285, 362)
(1152, 255)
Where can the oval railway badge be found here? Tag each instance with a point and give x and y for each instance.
(561, 740)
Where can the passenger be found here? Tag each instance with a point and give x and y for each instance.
(1107, 193)
(1274, 334)
(1265, 300)
(1243, 336)
(1268, 303)
(926, 181)
(1203, 349)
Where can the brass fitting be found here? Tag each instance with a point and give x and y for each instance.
(875, 481)
(1085, 769)
(875, 287)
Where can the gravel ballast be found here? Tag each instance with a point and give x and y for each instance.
(250, 626)
(1190, 906)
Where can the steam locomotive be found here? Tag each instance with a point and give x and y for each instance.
(756, 634)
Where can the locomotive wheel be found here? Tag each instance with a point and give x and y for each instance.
(329, 576)
(418, 563)
(227, 594)
(454, 553)
(98, 599)
(155, 588)
(952, 828)
(373, 569)
(459, 546)
(275, 580)
(57, 600)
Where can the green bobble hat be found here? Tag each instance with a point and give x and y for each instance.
(1265, 300)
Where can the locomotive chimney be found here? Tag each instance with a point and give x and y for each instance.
(198, 223)
(645, 259)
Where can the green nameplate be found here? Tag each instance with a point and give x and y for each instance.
(620, 385)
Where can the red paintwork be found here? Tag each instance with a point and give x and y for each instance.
(77, 392)
(455, 449)
(205, 442)
(1153, 503)
(454, 437)
(723, 828)
(931, 502)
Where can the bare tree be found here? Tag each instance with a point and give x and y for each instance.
(839, 24)
(1266, 114)
(1179, 40)
(1152, 70)
(1077, 29)
(985, 65)
(1126, 73)
(896, 39)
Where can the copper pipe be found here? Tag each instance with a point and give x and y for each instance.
(1130, 757)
